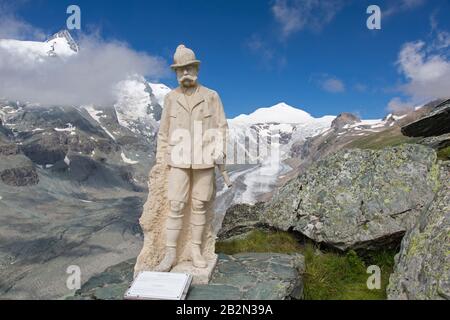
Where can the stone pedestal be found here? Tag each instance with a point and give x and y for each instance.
(200, 275)
(244, 276)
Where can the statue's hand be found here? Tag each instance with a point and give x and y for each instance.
(219, 158)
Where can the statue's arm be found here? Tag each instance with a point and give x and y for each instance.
(163, 134)
(223, 126)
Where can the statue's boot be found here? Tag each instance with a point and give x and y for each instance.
(198, 221)
(174, 225)
(168, 261)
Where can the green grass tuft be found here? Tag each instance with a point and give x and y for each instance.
(332, 276)
(444, 153)
(329, 275)
(260, 241)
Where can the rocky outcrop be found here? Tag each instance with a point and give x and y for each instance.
(422, 269)
(254, 276)
(245, 276)
(358, 198)
(4, 132)
(77, 201)
(240, 219)
(8, 149)
(436, 123)
(343, 119)
(18, 171)
(51, 146)
(437, 142)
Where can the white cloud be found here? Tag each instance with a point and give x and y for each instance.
(11, 27)
(296, 15)
(333, 85)
(401, 6)
(360, 87)
(329, 83)
(425, 66)
(426, 69)
(88, 77)
(440, 38)
(268, 55)
(258, 46)
(399, 107)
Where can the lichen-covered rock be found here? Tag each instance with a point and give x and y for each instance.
(422, 269)
(239, 219)
(111, 284)
(358, 198)
(437, 142)
(244, 276)
(254, 276)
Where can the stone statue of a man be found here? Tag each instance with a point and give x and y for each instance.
(191, 141)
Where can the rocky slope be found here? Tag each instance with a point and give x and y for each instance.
(348, 131)
(73, 180)
(423, 263)
(436, 123)
(72, 185)
(422, 269)
(369, 198)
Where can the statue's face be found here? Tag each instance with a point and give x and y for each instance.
(187, 76)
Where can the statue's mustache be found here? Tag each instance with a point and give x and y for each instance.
(189, 78)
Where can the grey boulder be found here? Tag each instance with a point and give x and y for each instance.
(358, 198)
(422, 269)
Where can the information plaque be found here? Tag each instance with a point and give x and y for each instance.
(159, 286)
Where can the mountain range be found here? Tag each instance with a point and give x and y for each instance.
(73, 179)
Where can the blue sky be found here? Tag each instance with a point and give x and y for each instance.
(319, 57)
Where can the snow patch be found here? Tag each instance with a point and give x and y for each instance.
(127, 160)
(160, 91)
(396, 118)
(96, 114)
(70, 128)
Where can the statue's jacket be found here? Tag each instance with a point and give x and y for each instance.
(192, 134)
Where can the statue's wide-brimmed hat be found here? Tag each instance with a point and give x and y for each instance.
(184, 57)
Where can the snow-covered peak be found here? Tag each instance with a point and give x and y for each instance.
(279, 113)
(60, 44)
(160, 91)
(139, 104)
(63, 43)
(133, 99)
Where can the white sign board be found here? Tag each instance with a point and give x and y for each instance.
(159, 286)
